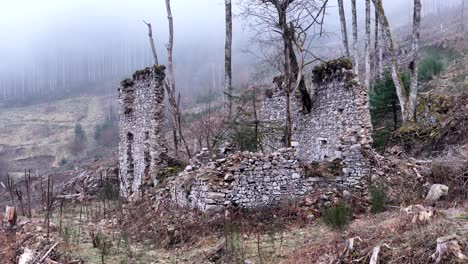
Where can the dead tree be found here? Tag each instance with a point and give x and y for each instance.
(355, 39)
(228, 54)
(49, 202)
(28, 182)
(344, 31)
(19, 195)
(151, 40)
(407, 100)
(170, 85)
(11, 187)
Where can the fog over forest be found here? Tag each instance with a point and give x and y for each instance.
(56, 45)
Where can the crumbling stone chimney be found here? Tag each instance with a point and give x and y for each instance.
(338, 126)
(142, 147)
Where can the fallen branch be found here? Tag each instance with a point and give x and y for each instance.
(46, 254)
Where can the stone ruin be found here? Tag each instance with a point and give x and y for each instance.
(332, 143)
(338, 127)
(142, 146)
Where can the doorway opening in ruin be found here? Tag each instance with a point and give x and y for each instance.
(130, 160)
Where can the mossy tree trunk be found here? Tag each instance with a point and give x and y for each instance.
(408, 100)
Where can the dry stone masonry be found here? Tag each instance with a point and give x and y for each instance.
(330, 150)
(245, 179)
(142, 147)
(338, 126)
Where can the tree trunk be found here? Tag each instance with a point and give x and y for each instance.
(381, 45)
(368, 44)
(228, 54)
(287, 72)
(170, 87)
(344, 31)
(414, 64)
(355, 39)
(376, 46)
(288, 119)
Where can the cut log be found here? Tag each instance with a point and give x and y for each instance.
(448, 244)
(375, 255)
(9, 221)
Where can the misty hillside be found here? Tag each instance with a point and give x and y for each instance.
(244, 131)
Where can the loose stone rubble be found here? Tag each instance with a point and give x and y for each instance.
(142, 144)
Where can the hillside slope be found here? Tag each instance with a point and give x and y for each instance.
(37, 136)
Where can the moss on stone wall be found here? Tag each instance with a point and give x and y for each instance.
(158, 71)
(331, 69)
(127, 83)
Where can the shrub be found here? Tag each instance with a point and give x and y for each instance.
(337, 217)
(78, 144)
(63, 162)
(107, 133)
(434, 61)
(378, 198)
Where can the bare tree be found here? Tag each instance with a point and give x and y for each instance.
(228, 54)
(407, 100)
(368, 44)
(171, 87)
(151, 40)
(291, 21)
(355, 39)
(344, 31)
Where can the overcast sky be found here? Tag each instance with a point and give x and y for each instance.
(31, 30)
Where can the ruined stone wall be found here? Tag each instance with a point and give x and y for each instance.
(142, 144)
(247, 180)
(337, 127)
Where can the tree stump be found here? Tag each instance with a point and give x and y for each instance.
(9, 221)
